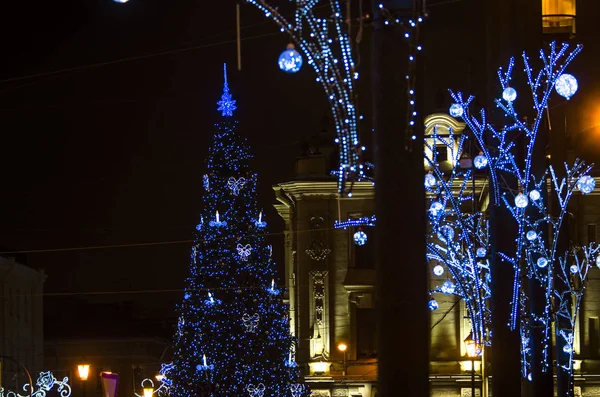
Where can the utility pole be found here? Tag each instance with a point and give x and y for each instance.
(403, 317)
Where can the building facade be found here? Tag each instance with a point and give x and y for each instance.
(21, 316)
(331, 286)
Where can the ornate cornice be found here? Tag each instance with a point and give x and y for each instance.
(299, 190)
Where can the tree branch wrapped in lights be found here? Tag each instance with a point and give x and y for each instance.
(323, 39)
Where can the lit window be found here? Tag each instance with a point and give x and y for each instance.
(558, 16)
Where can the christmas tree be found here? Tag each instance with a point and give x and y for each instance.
(233, 336)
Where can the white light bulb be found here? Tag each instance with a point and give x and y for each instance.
(456, 110)
(534, 195)
(521, 201)
(509, 94)
(566, 85)
(586, 184)
(438, 270)
(429, 180)
(574, 269)
(531, 235)
(480, 161)
(542, 262)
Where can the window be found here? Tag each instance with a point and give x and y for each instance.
(594, 337)
(366, 333)
(558, 16)
(364, 255)
(591, 233)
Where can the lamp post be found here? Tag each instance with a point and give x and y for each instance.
(343, 348)
(83, 371)
(473, 351)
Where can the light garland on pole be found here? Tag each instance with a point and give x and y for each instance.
(326, 45)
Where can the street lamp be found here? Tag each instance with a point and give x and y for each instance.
(84, 372)
(343, 348)
(473, 351)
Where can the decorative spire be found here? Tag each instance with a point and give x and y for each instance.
(226, 104)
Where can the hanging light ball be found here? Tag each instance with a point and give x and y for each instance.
(509, 94)
(438, 270)
(574, 269)
(535, 195)
(521, 201)
(480, 161)
(446, 233)
(433, 305)
(436, 208)
(429, 180)
(121, 1)
(456, 110)
(531, 235)
(360, 238)
(290, 61)
(598, 261)
(448, 287)
(481, 252)
(586, 184)
(566, 85)
(542, 262)
(567, 348)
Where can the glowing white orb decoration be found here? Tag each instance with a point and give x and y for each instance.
(290, 61)
(531, 235)
(456, 110)
(433, 305)
(542, 262)
(598, 261)
(567, 348)
(438, 270)
(521, 201)
(586, 184)
(574, 269)
(446, 233)
(481, 252)
(436, 208)
(121, 1)
(360, 238)
(566, 85)
(480, 161)
(448, 287)
(535, 195)
(429, 180)
(509, 94)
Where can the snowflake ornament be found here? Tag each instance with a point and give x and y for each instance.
(226, 104)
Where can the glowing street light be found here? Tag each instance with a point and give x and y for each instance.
(343, 348)
(473, 351)
(84, 371)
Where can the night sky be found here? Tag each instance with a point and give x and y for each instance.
(112, 152)
(107, 111)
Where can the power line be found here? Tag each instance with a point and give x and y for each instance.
(156, 243)
(128, 59)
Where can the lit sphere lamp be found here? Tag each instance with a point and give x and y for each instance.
(290, 60)
(566, 85)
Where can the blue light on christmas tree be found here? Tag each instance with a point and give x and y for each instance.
(233, 336)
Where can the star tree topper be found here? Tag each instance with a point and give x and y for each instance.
(226, 104)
